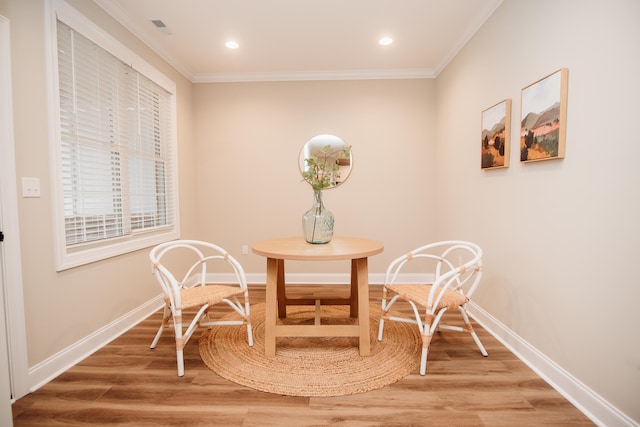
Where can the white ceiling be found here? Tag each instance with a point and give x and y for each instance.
(304, 39)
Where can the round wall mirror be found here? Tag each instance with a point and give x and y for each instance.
(333, 157)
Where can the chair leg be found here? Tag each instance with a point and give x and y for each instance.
(423, 361)
(178, 334)
(427, 335)
(180, 341)
(250, 334)
(479, 344)
(380, 328)
(247, 313)
(157, 337)
(180, 359)
(165, 320)
(384, 311)
(469, 329)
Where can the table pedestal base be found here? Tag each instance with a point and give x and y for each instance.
(276, 301)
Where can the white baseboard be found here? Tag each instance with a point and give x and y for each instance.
(48, 369)
(588, 402)
(328, 278)
(55, 365)
(582, 397)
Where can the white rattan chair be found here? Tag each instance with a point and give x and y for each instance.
(456, 270)
(191, 261)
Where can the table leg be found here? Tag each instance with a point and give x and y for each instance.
(271, 308)
(353, 297)
(282, 303)
(362, 277)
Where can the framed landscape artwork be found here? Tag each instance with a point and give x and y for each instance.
(496, 126)
(543, 122)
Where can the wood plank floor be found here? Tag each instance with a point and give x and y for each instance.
(127, 384)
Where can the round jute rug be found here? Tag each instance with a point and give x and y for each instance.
(312, 366)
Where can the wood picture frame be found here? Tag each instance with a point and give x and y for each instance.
(495, 135)
(543, 120)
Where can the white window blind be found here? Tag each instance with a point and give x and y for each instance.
(115, 145)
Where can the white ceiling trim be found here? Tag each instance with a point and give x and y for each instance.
(314, 75)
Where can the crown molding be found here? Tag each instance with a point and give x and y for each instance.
(315, 75)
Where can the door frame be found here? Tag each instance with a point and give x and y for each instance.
(13, 320)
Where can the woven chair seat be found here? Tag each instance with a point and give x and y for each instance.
(208, 294)
(418, 293)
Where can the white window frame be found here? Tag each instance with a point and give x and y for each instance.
(72, 256)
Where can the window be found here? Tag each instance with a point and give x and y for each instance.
(114, 149)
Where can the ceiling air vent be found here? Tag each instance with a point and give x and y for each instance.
(161, 26)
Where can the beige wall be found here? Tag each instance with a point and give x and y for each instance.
(63, 308)
(248, 138)
(560, 237)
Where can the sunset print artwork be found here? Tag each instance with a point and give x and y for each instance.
(496, 125)
(543, 120)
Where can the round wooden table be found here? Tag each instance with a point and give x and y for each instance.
(296, 248)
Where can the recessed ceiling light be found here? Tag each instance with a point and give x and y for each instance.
(385, 41)
(232, 44)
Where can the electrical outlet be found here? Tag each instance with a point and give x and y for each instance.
(245, 250)
(30, 187)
